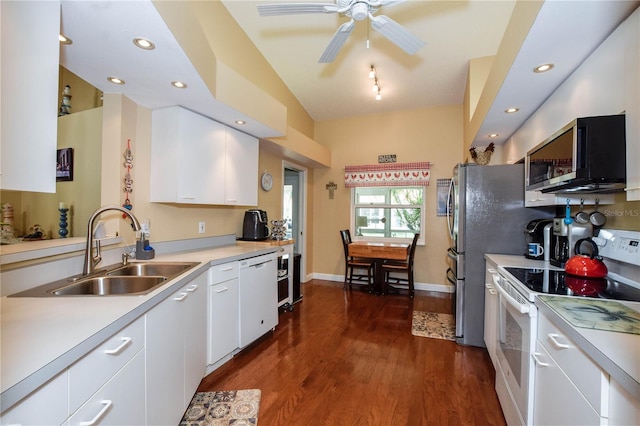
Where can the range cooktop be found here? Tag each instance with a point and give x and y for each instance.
(560, 283)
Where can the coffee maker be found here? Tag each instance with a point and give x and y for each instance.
(564, 239)
(535, 239)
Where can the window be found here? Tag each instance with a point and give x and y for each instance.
(387, 212)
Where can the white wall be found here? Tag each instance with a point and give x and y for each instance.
(606, 83)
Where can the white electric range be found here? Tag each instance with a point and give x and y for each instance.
(517, 316)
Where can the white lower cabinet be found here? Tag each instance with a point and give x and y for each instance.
(223, 321)
(120, 401)
(570, 388)
(557, 400)
(491, 312)
(175, 353)
(47, 405)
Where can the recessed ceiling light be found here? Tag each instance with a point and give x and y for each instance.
(241, 122)
(179, 84)
(543, 68)
(115, 80)
(494, 135)
(64, 39)
(143, 43)
(511, 110)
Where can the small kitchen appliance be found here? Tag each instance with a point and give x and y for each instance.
(534, 238)
(586, 265)
(565, 237)
(254, 227)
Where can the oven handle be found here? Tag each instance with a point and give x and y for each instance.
(523, 309)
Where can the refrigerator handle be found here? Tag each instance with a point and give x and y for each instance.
(450, 196)
(451, 276)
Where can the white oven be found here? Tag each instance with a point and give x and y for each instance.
(516, 335)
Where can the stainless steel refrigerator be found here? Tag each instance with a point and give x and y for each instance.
(485, 214)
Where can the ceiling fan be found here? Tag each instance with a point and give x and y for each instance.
(356, 10)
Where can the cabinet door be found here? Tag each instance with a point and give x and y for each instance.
(47, 405)
(120, 401)
(195, 336)
(30, 64)
(223, 320)
(241, 174)
(200, 160)
(164, 347)
(556, 400)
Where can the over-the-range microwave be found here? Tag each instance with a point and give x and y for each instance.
(587, 155)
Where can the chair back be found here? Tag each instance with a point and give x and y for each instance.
(345, 234)
(412, 250)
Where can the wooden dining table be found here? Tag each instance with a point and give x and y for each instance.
(379, 252)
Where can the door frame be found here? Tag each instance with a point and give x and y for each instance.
(302, 212)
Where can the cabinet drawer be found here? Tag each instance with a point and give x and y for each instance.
(94, 369)
(577, 365)
(557, 401)
(121, 401)
(222, 273)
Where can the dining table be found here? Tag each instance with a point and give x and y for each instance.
(379, 252)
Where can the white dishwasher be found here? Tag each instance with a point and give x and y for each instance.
(258, 297)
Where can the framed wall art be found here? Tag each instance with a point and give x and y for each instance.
(64, 165)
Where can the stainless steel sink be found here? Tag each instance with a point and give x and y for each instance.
(134, 279)
(105, 286)
(151, 269)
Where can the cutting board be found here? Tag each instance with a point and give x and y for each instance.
(596, 314)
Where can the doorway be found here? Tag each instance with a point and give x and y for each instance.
(293, 208)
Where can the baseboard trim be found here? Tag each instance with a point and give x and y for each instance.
(442, 288)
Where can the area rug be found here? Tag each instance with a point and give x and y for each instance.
(430, 324)
(237, 408)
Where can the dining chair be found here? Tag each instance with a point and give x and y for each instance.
(401, 267)
(353, 264)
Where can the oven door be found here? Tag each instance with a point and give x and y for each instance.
(515, 341)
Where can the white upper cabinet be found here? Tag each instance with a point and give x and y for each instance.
(200, 161)
(30, 58)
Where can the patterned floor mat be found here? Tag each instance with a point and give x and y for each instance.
(223, 408)
(437, 326)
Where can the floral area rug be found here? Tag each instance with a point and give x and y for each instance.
(437, 326)
(237, 408)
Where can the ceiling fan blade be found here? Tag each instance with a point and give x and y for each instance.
(295, 8)
(337, 42)
(396, 33)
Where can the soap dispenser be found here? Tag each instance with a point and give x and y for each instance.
(143, 250)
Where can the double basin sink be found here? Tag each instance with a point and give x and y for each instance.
(135, 279)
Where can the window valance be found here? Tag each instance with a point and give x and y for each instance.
(392, 174)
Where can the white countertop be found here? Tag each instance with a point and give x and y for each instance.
(615, 352)
(41, 336)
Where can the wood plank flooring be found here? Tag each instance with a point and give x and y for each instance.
(349, 358)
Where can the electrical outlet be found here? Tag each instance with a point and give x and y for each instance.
(201, 227)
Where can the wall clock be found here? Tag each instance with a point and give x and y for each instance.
(266, 181)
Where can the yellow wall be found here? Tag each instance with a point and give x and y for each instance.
(428, 134)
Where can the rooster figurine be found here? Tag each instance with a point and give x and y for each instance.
(483, 157)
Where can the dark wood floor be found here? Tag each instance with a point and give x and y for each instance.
(349, 358)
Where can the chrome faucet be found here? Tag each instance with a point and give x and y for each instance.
(90, 261)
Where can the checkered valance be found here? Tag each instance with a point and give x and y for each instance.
(391, 174)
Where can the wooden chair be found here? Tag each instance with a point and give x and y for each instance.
(401, 267)
(352, 264)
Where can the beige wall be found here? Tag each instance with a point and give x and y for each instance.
(429, 134)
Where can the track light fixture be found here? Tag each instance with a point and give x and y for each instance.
(376, 84)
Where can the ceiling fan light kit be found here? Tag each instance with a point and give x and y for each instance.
(356, 10)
